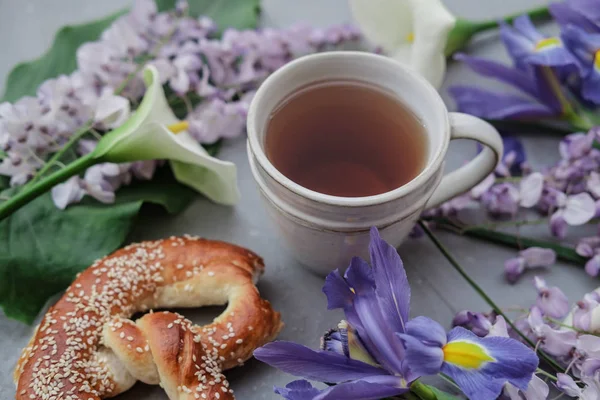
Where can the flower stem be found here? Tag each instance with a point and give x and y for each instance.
(464, 30)
(547, 375)
(31, 192)
(536, 14)
(422, 391)
(484, 295)
(57, 156)
(519, 242)
(497, 225)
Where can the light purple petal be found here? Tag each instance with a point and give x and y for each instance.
(525, 27)
(552, 301)
(592, 266)
(557, 343)
(360, 390)
(320, 366)
(565, 15)
(391, 283)
(567, 385)
(591, 367)
(517, 45)
(499, 328)
(538, 257)
(514, 362)
(530, 189)
(297, 390)
(67, 193)
(558, 225)
(501, 72)
(359, 276)
(514, 268)
(589, 345)
(579, 210)
(593, 184)
(337, 291)
(426, 330)
(487, 104)
(537, 389)
(423, 358)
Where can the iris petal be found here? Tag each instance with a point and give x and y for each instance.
(359, 276)
(320, 366)
(512, 361)
(421, 358)
(337, 291)
(358, 390)
(392, 288)
(500, 72)
(427, 330)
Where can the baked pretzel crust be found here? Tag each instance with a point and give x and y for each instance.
(86, 348)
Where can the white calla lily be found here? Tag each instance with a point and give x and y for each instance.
(414, 32)
(154, 133)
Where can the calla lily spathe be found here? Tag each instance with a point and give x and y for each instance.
(154, 133)
(414, 32)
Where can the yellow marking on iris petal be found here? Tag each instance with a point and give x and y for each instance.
(352, 290)
(597, 60)
(179, 127)
(410, 37)
(466, 355)
(548, 42)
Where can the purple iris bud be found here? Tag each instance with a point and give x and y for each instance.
(492, 362)
(551, 301)
(533, 257)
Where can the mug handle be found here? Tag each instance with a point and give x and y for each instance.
(464, 126)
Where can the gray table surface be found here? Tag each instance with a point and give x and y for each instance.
(27, 27)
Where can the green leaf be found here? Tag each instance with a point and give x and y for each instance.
(43, 248)
(240, 14)
(26, 77)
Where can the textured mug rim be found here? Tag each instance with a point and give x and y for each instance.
(346, 56)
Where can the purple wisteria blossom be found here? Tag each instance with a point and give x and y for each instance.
(192, 61)
(533, 257)
(379, 351)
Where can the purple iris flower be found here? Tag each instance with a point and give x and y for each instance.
(364, 357)
(379, 351)
(582, 13)
(479, 366)
(540, 64)
(586, 47)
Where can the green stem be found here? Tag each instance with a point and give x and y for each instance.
(536, 14)
(497, 225)
(464, 30)
(422, 391)
(547, 375)
(37, 189)
(484, 295)
(519, 242)
(57, 156)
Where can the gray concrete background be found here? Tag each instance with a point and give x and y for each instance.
(27, 28)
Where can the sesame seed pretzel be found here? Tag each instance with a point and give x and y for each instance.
(87, 348)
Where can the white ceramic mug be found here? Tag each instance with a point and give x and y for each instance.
(324, 232)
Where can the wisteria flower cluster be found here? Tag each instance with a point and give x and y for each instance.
(379, 351)
(569, 334)
(566, 194)
(212, 77)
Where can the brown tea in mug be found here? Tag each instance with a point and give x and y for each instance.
(346, 139)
